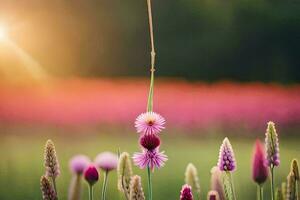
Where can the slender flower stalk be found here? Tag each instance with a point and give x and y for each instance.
(124, 174)
(192, 179)
(227, 164)
(136, 190)
(272, 149)
(75, 188)
(186, 193)
(48, 192)
(259, 168)
(51, 163)
(91, 175)
(77, 165)
(106, 161)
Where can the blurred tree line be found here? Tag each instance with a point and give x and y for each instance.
(244, 40)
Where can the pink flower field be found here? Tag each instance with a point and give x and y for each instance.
(78, 102)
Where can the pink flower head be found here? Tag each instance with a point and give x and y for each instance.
(186, 193)
(78, 163)
(259, 167)
(152, 158)
(149, 123)
(226, 157)
(91, 174)
(149, 141)
(106, 161)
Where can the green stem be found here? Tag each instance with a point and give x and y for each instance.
(104, 185)
(149, 184)
(231, 185)
(272, 183)
(91, 195)
(260, 193)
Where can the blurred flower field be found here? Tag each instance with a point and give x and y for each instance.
(190, 105)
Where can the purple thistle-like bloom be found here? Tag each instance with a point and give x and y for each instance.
(149, 141)
(272, 145)
(149, 123)
(78, 163)
(186, 193)
(259, 167)
(106, 161)
(226, 157)
(152, 158)
(91, 174)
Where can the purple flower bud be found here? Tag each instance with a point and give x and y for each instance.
(186, 193)
(272, 145)
(226, 157)
(149, 141)
(91, 175)
(78, 163)
(106, 161)
(259, 168)
(213, 195)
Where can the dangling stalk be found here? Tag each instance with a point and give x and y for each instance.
(150, 96)
(260, 192)
(103, 197)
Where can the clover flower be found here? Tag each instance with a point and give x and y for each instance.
(149, 123)
(259, 168)
(186, 193)
(78, 163)
(226, 157)
(106, 161)
(150, 158)
(272, 145)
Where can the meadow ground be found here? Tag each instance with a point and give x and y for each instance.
(21, 164)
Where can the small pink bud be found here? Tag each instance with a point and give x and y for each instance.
(259, 167)
(91, 174)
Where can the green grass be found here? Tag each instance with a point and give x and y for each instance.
(21, 164)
